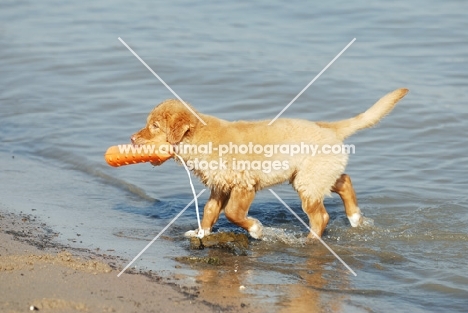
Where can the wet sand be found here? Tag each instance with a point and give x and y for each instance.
(38, 274)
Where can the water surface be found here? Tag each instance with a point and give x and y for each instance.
(69, 89)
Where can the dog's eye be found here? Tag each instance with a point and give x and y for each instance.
(156, 125)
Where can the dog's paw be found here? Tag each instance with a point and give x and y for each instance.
(196, 233)
(311, 239)
(256, 231)
(191, 233)
(356, 219)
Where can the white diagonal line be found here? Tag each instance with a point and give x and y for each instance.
(160, 233)
(318, 237)
(162, 81)
(312, 81)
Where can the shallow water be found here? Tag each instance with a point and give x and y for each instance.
(69, 89)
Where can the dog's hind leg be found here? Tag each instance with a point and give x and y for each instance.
(318, 216)
(344, 188)
(237, 208)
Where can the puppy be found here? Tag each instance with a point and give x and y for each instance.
(236, 159)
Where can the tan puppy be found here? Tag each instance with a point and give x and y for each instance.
(236, 159)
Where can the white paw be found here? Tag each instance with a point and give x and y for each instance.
(196, 233)
(191, 233)
(256, 231)
(355, 219)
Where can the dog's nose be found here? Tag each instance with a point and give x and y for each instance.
(133, 139)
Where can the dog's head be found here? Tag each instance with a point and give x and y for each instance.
(170, 121)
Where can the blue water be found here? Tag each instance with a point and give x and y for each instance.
(69, 89)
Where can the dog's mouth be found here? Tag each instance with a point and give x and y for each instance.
(136, 140)
(139, 141)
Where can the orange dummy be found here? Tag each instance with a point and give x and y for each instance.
(132, 154)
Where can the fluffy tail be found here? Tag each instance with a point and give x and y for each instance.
(372, 116)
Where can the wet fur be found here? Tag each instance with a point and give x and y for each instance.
(313, 177)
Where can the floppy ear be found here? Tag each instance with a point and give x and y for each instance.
(177, 126)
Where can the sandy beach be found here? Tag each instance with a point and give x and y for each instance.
(38, 274)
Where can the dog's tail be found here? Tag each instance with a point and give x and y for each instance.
(372, 116)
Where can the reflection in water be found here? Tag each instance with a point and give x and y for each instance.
(289, 279)
(318, 290)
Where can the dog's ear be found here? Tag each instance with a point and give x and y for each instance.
(177, 125)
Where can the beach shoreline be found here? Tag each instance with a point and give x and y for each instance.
(37, 273)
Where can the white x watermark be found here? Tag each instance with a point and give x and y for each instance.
(202, 121)
(160, 233)
(313, 80)
(162, 81)
(312, 232)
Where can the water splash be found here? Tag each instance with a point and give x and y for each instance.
(281, 235)
(367, 222)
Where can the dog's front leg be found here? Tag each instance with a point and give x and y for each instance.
(237, 208)
(211, 212)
